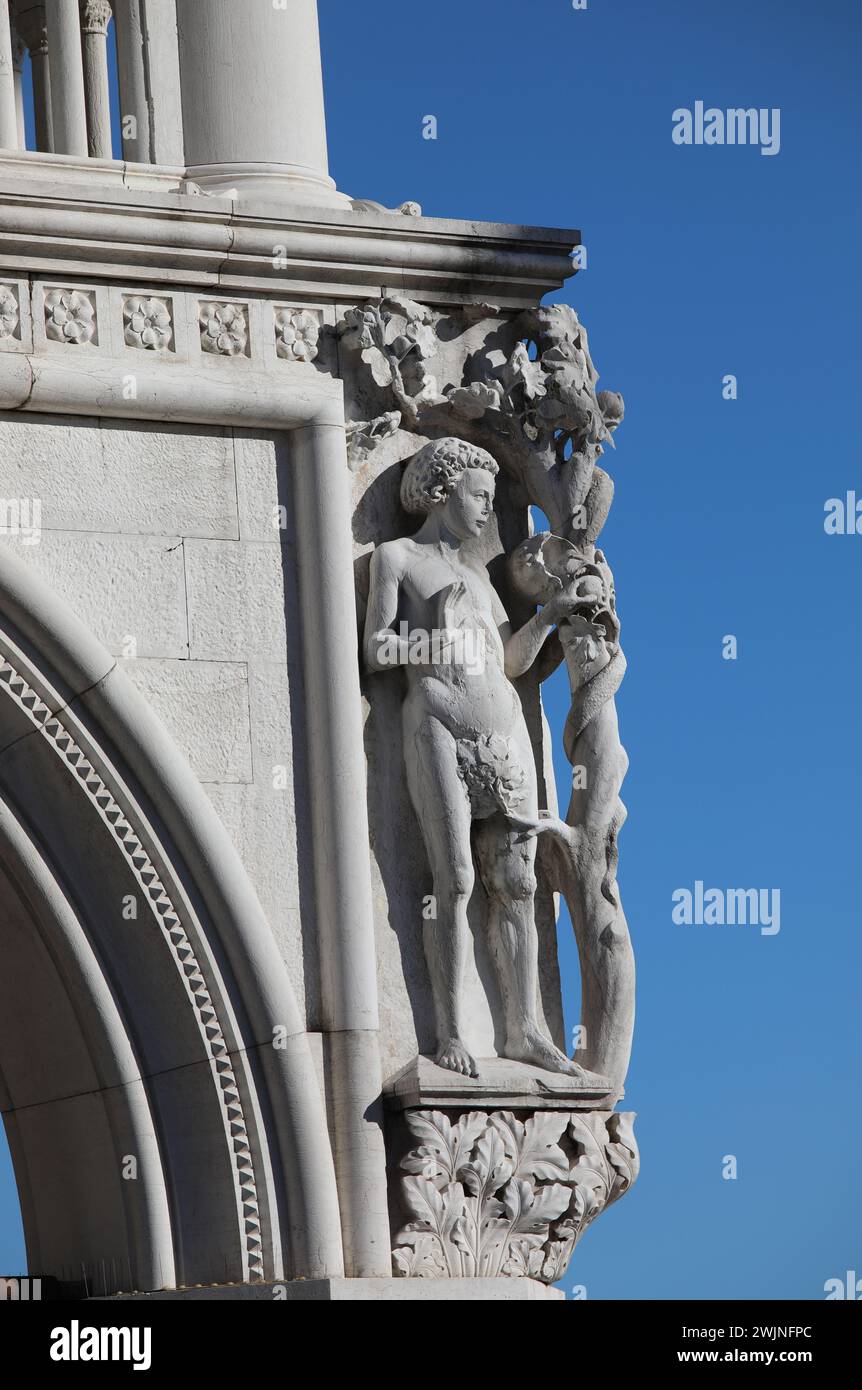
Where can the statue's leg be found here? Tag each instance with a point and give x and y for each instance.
(507, 862)
(443, 808)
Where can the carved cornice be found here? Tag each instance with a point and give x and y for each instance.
(118, 221)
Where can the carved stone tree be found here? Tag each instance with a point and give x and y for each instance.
(506, 1192)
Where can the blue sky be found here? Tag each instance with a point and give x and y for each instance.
(702, 261)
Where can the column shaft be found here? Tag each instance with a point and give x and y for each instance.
(68, 106)
(95, 17)
(30, 24)
(131, 66)
(8, 110)
(253, 99)
(163, 82)
(19, 48)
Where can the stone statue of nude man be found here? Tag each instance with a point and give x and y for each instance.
(469, 760)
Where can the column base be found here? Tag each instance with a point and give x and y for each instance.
(294, 185)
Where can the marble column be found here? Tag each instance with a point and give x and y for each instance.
(8, 112)
(19, 48)
(252, 93)
(131, 70)
(95, 18)
(30, 24)
(68, 108)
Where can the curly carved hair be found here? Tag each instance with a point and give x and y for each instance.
(433, 473)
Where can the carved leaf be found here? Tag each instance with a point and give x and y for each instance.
(558, 1254)
(539, 1153)
(473, 401)
(490, 1166)
(525, 1258)
(532, 1210)
(419, 1257)
(427, 1204)
(411, 309)
(434, 1156)
(439, 1214)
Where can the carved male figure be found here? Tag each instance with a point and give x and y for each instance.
(468, 755)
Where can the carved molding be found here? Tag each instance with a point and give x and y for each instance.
(492, 1195)
(167, 918)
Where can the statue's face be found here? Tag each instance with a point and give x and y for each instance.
(467, 509)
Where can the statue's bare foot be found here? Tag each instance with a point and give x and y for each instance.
(453, 1055)
(533, 1047)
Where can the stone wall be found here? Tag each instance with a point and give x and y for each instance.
(165, 542)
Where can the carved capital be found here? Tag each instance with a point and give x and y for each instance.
(495, 1196)
(95, 16)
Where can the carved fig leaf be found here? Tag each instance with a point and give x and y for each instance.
(476, 400)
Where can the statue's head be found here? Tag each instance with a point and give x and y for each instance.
(453, 478)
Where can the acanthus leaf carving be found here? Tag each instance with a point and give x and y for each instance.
(493, 1196)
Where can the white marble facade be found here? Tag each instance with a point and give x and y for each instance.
(210, 866)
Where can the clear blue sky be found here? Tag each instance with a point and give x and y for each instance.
(703, 261)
